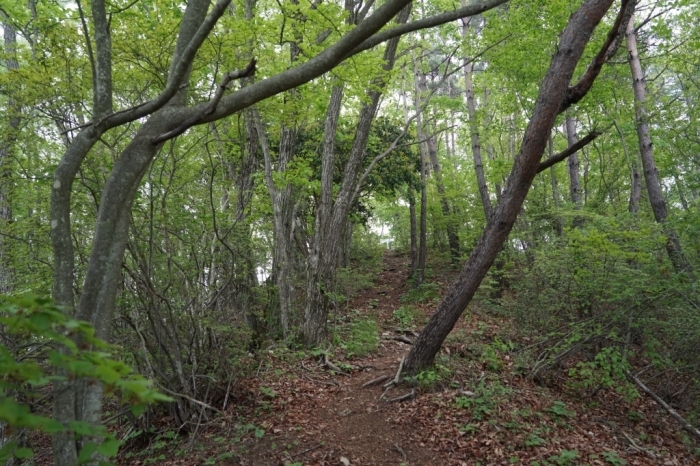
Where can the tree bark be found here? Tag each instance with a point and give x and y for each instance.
(573, 168)
(474, 128)
(431, 151)
(7, 143)
(554, 91)
(324, 266)
(646, 150)
(413, 230)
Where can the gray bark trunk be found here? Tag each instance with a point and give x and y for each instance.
(80, 400)
(554, 91)
(6, 148)
(651, 174)
(413, 228)
(572, 164)
(431, 148)
(324, 266)
(474, 128)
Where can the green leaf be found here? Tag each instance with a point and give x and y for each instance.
(23, 453)
(109, 447)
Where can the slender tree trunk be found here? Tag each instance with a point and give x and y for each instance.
(555, 95)
(635, 174)
(7, 143)
(80, 400)
(419, 276)
(318, 279)
(651, 174)
(431, 149)
(555, 190)
(413, 232)
(324, 267)
(573, 167)
(474, 127)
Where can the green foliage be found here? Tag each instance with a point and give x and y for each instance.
(430, 378)
(69, 349)
(408, 316)
(424, 292)
(484, 400)
(559, 410)
(613, 458)
(564, 458)
(363, 338)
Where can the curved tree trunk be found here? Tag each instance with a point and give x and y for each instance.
(554, 97)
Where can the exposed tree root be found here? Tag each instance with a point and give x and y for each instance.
(400, 338)
(408, 396)
(327, 362)
(376, 381)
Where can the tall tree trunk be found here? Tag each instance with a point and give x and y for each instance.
(413, 230)
(573, 167)
(7, 144)
(419, 275)
(555, 190)
(635, 173)
(474, 126)
(431, 149)
(80, 400)
(322, 270)
(651, 174)
(554, 97)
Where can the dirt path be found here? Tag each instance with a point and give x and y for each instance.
(326, 418)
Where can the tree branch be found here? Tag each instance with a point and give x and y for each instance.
(432, 21)
(575, 93)
(213, 103)
(569, 151)
(174, 78)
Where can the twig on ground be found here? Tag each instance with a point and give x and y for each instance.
(323, 382)
(376, 381)
(636, 447)
(400, 338)
(303, 452)
(674, 414)
(400, 450)
(408, 396)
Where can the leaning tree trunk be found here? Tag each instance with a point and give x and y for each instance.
(555, 96)
(651, 174)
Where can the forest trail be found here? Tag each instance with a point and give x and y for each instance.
(480, 409)
(327, 418)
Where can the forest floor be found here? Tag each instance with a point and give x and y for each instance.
(476, 407)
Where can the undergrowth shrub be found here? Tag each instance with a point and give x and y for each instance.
(39, 347)
(363, 338)
(422, 293)
(604, 299)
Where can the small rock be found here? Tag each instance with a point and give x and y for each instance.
(345, 461)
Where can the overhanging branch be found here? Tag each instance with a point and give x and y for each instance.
(213, 103)
(612, 42)
(569, 151)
